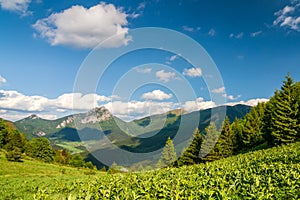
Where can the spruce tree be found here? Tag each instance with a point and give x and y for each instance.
(237, 131)
(281, 121)
(252, 131)
(208, 151)
(191, 155)
(226, 142)
(168, 156)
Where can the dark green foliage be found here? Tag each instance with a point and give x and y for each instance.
(191, 155)
(208, 151)
(282, 112)
(42, 150)
(237, 128)
(253, 128)
(77, 161)
(14, 154)
(168, 155)
(11, 138)
(89, 165)
(226, 141)
(62, 157)
(3, 133)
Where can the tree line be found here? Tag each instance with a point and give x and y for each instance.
(275, 122)
(16, 146)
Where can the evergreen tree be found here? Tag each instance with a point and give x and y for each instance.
(237, 130)
(226, 142)
(168, 155)
(296, 94)
(191, 155)
(281, 121)
(253, 129)
(208, 151)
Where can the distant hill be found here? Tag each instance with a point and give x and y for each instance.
(139, 136)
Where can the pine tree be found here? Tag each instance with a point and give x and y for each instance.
(208, 151)
(168, 155)
(191, 155)
(281, 121)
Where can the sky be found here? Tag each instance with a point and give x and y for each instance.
(44, 45)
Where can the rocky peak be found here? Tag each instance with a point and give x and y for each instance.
(33, 116)
(96, 115)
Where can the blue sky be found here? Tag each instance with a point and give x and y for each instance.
(44, 42)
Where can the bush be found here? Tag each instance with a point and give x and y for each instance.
(14, 155)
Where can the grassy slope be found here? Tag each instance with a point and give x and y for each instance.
(264, 174)
(20, 180)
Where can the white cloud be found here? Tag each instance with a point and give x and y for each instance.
(237, 36)
(174, 57)
(82, 27)
(15, 5)
(198, 104)
(13, 100)
(288, 9)
(288, 17)
(156, 95)
(192, 72)
(251, 102)
(165, 76)
(2, 79)
(138, 109)
(212, 32)
(231, 97)
(144, 70)
(218, 90)
(255, 34)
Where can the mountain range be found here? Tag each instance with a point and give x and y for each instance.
(99, 131)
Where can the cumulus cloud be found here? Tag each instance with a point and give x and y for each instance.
(192, 72)
(198, 104)
(20, 6)
(165, 76)
(218, 90)
(15, 105)
(143, 70)
(2, 79)
(251, 102)
(138, 109)
(288, 17)
(82, 27)
(156, 95)
(13, 100)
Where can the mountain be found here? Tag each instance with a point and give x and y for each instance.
(144, 135)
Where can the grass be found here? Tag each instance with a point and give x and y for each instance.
(21, 180)
(264, 174)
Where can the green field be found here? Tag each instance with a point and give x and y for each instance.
(265, 174)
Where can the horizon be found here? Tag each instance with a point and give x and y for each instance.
(187, 112)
